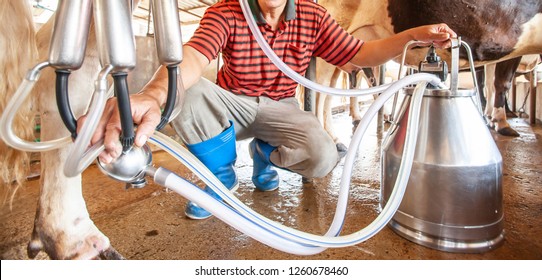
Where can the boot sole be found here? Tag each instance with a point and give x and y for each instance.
(269, 190)
(192, 217)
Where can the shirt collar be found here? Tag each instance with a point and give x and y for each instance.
(257, 13)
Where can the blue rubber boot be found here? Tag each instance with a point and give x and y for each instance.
(264, 177)
(219, 155)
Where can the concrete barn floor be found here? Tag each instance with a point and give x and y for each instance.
(149, 223)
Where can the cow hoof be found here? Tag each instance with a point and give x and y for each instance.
(511, 115)
(82, 242)
(490, 124)
(523, 115)
(34, 248)
(111, 254)
(341, 149)
(355, 123)
(508, 131)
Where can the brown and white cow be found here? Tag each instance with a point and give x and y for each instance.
(517, 32)
(495, 80)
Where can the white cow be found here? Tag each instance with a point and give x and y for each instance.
(58, 230)
(63, 228)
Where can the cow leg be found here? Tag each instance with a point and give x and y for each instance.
(327, 113)
(324, 74)
(328, 118)
(319, 110)
(485, 76)
(328, 126)
(370, 76)
(504, 74)
(62, 227)
(354, 112)
(354, 104)
(481, 76)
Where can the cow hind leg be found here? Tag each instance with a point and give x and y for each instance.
(326, 112)
(485, 76)
(482, 73)
(504, 74)
(63, 228)
(354, 104)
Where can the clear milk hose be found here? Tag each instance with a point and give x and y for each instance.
(235, 213)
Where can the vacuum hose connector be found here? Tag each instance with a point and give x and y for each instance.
(433, 64)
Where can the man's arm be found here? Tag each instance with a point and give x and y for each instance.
(377, 52)
(145, 105)
(191, 70)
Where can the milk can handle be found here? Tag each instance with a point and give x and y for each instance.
(455, 61)
(403, 58)
(454, 72)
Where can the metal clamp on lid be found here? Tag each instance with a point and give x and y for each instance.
(433, 64)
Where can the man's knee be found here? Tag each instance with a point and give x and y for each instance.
(196, 93)
(195, 101)
(322, 162)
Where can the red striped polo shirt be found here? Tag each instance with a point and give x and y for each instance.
(307, 30)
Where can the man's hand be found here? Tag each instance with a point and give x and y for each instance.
(377, 52)
(145, 113)
(437, 34)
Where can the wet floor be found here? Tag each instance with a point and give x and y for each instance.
(149, 223)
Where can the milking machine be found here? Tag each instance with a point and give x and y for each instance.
(117, 55)
(116, 49)
(453, 200)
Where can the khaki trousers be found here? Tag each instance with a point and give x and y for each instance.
(303, 146)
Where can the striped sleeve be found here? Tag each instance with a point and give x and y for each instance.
(211, 35)
(334, 44)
